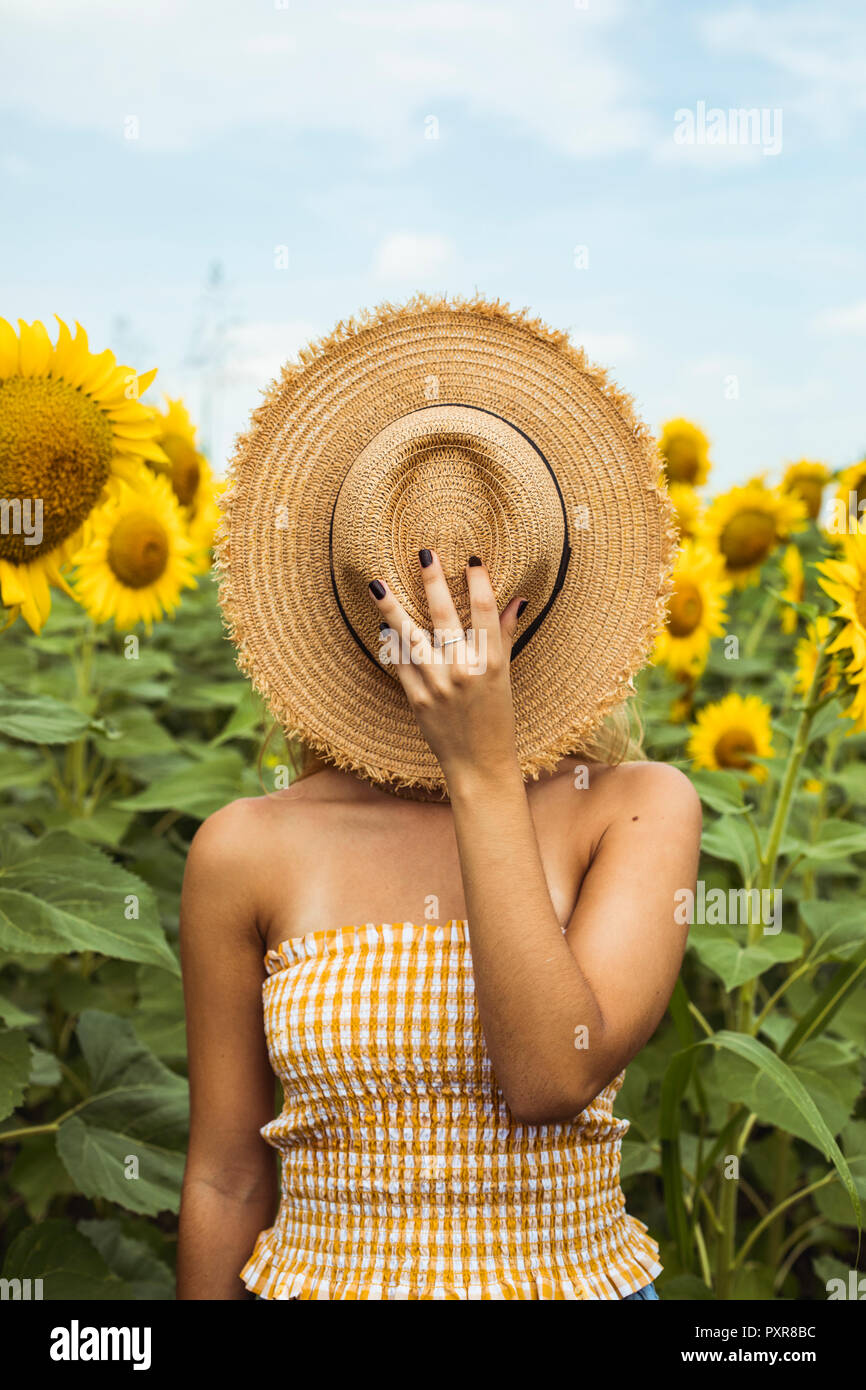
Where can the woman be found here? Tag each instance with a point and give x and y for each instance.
(454, 977)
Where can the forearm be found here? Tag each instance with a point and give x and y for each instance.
(218, 1229)
(532, 995)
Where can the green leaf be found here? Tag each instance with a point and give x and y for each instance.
(38, 1175)
(159, 1014)
(14, 1069)
(836, 926)
(852, 780)
(45, 1068)
(846, 980)
(22, 768)
(245, 719)
(782, 1076)
(832, 1202)
(730, 839)
(685, 1288)
(192, 694)
(133, 733)
(834, 1091)
(767, 1064)
(638, 1158)
(59, 894)
(145, 1276)
(40, 719)
(720, 791)
(752, 1283)
(127, 1142)
(144, 677)
(66, 1262)
(836, 840)
(734, 961)
(102, 826)
(97, 1160)
(13, 1017)
(198, 790)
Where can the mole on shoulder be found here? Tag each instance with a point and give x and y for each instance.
(635, 817)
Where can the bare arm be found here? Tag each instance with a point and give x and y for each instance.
(562, 1013)
(230, 1182)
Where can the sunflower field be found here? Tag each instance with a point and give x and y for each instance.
(124, 723)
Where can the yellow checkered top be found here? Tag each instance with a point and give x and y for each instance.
(404, 1175)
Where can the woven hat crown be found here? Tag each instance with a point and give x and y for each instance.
(461, 482)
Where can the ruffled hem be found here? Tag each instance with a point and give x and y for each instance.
(634, 1265)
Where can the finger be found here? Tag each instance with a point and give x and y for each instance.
(509, 619)
(392, 652)
(443, 613)
(395, 615)
(482, 601)
(410, 645)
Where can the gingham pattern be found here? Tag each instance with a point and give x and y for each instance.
(403, 1174)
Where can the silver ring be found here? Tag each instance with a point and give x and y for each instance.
(450, 640)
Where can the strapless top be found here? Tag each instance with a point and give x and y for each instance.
(404, 1175)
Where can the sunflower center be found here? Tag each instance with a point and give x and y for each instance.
(734, 748)
(747, 539)
(810, 491)
(56, 447)
(686, 610)
(138, 550)
(683, 460)
(185, 471)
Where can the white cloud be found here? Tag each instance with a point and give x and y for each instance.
(819, 49)
(851, 318)
(407, 257)
(192, 71)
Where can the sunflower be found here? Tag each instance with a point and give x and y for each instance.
(696, 611)
(806, 658)
(685, 450)
(137, 556)
(70, 420)
(844, 580)
(845, 505)
(795, 586)
(190, 475)
(688, 507)
(807, 481)
(747, 523)
(729, 734)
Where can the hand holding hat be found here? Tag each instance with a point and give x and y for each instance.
(457, 683)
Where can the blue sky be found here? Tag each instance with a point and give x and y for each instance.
(258, 125)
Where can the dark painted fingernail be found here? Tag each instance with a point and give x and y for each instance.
(521, 605)
(426, 558)
(377, 588)
(384, 627)
(474, 560)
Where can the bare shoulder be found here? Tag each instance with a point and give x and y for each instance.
(251, 828)
(653, 789)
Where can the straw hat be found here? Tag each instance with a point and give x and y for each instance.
(467, 428)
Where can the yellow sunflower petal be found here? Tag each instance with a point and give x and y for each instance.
(36, 349)
(8, 349)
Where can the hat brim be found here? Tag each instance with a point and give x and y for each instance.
(272, 545)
